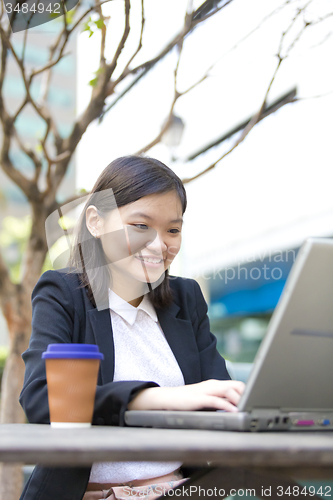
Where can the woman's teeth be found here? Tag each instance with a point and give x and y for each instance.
(148, 259)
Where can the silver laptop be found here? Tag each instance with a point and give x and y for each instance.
(291, 384)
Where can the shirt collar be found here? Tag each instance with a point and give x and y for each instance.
(129, 312)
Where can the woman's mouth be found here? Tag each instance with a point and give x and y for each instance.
(150, 261)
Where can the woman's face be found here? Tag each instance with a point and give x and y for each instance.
(155, 220)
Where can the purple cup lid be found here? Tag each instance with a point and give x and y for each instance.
(72, 351)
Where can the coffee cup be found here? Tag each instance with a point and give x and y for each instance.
(71, 373)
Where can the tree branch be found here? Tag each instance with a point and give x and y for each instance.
(42, 112)
(210, 14)
(258, 115)
(4, 53)
(125, 70)
(30, 153)
(46, 81)
(6, 285)
(20, 109)
(102, 59)
(288, 98)
(148, 65)
(67, 205)
(166, 125)
(49, 65)
(95, 106)
(22, 182)
(112, 66)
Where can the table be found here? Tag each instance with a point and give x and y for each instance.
(236, 459)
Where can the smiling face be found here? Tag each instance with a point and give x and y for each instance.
(159, 216)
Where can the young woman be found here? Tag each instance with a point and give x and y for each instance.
(152, 328)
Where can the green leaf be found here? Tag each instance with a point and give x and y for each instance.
(86, 25)
(93, 82)
(100, 23)
(70, 16)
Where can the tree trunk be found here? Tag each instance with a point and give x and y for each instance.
(18, 316)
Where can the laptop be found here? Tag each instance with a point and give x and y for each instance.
(290, 386)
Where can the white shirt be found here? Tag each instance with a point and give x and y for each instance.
(141, 353)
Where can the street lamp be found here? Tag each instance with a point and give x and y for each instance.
(173, 134)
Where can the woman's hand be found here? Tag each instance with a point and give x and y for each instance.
(215, 394)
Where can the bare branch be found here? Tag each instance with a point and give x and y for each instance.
(212, 66)
(20, 109)
(164, 128)
(177, 38)
(143, 68)
(94, 7)
(24, 43)
(42, 112)
(321, 19)
(210, 14)
(22, 182)
(53, 161)
(246, 131)
(319, 96)
(237, 44)
(256, 118)
(64, 17)
(68, 203)
(288, 98)
(46, 81)
(95, 106)
(4, 51)
(102, 59)
(125, 70)
(50, 65)
(299, 12)
(68, 32)
(29, 152)
(112, 66)
(326, 37)
(176, 96)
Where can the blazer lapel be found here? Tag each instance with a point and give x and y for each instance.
(100, 322)
(181, 339)
(178, 333)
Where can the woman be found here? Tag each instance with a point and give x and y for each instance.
(151, 327)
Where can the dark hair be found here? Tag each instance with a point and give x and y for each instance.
(130, 178)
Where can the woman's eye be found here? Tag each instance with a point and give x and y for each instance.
(174, 231)
(141, 226)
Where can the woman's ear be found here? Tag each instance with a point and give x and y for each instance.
(93, 221)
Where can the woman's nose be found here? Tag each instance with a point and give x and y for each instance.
(157, 245)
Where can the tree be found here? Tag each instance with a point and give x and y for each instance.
(52, 158)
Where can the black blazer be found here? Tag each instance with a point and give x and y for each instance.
(62, 312)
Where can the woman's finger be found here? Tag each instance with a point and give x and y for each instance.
(218, 404)
(233, 396)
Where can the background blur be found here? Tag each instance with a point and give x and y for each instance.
(247, 217)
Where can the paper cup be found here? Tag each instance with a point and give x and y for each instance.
(71, 373)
